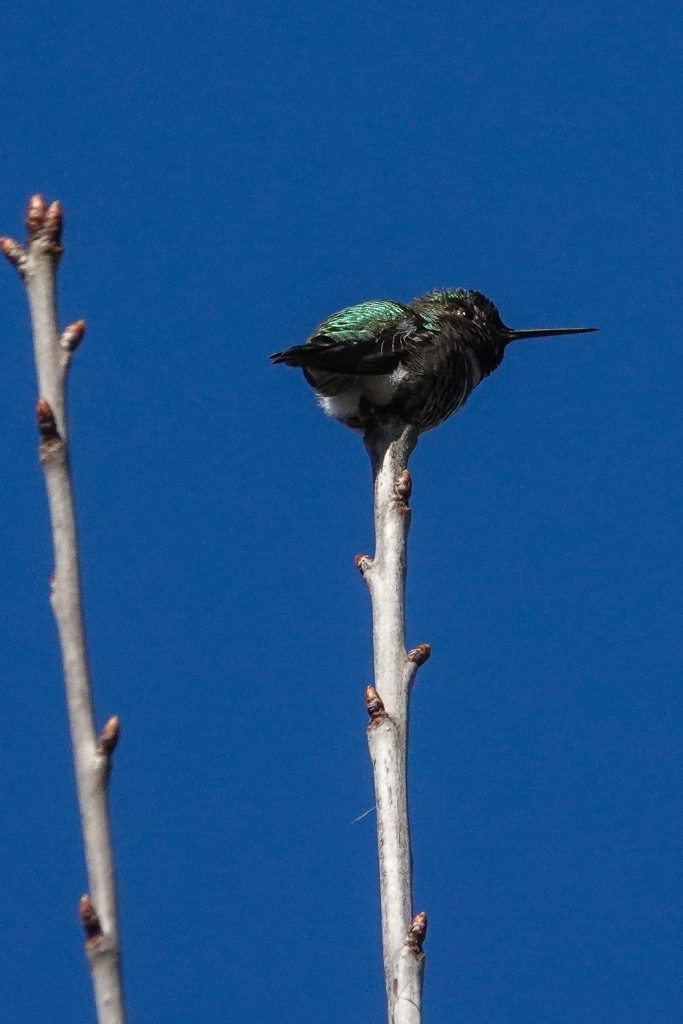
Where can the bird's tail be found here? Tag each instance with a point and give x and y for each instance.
(366, 359)
(294, 356)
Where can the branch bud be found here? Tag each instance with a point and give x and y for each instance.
(72, 336)
(35, 214)
(109, 736)
(417, 933)
(90, 921)
(53, 222)
(46, 421)
(13, 252)
(374, 705)
(404, 486)
(363, 563)
(420, 654)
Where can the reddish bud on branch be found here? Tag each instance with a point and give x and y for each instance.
(109, 736)
(420, 654)
(404, 486)
(46, 421)
(373, 703)
(35, 213)
(90, 921)
(13, 252)
(72, 336)
(417, 932)
(53, 222)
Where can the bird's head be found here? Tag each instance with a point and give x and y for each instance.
(482, 313)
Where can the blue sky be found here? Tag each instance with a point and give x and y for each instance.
(230, 176)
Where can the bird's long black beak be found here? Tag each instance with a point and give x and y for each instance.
(550, 332)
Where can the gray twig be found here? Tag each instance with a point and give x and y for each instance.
(37, 264)
(389, 446)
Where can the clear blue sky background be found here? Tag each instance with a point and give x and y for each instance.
(231, 174)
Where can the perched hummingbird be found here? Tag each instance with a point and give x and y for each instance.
(420, 361)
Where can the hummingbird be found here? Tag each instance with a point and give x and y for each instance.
(419, 361)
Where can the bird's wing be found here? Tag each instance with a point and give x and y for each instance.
(369, 339)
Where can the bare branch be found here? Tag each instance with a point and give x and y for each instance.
(389, 446)
(38, 266)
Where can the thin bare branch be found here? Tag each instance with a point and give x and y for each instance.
(389, 447)
(92, 754)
